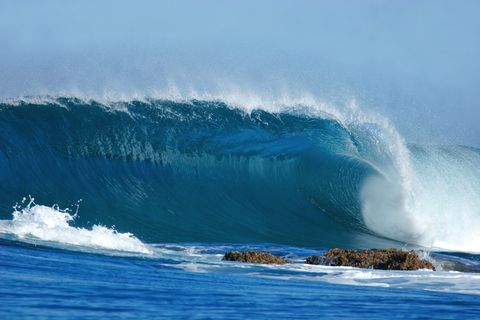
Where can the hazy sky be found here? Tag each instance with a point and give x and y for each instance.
(418, 62)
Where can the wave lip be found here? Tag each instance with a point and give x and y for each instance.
(43, 224)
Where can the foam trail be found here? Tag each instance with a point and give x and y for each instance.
(39, 223)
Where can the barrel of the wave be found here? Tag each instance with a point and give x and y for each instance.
(196, 171)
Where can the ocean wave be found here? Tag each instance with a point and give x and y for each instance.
(203, 170)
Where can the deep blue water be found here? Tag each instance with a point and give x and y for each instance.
(124, 209)
(49, 283)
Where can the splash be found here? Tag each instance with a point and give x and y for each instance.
(42, 224)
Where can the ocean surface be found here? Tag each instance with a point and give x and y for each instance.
(124, 208)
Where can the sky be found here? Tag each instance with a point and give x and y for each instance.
(416, 62)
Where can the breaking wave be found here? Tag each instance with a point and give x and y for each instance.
(208, 170)
(39, 224)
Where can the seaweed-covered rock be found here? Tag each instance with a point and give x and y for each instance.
(386, 259)
(253, 257)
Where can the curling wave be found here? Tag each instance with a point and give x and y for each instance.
(201, 170)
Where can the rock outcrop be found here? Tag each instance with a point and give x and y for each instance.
(386, 259)
(253, 257)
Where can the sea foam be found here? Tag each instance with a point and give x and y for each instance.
(41, 224)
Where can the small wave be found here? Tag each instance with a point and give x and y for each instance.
(41, 224)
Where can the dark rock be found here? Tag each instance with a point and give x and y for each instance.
(386, 259)
(323, 260)
(253, 257)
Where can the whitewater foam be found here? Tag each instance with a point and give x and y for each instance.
(447, 194)
(41, 224)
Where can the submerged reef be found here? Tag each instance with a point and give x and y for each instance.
(386, 259)
(253, 257)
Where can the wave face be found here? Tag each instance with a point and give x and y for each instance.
(195, 171)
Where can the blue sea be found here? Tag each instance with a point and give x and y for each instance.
(124, 208)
